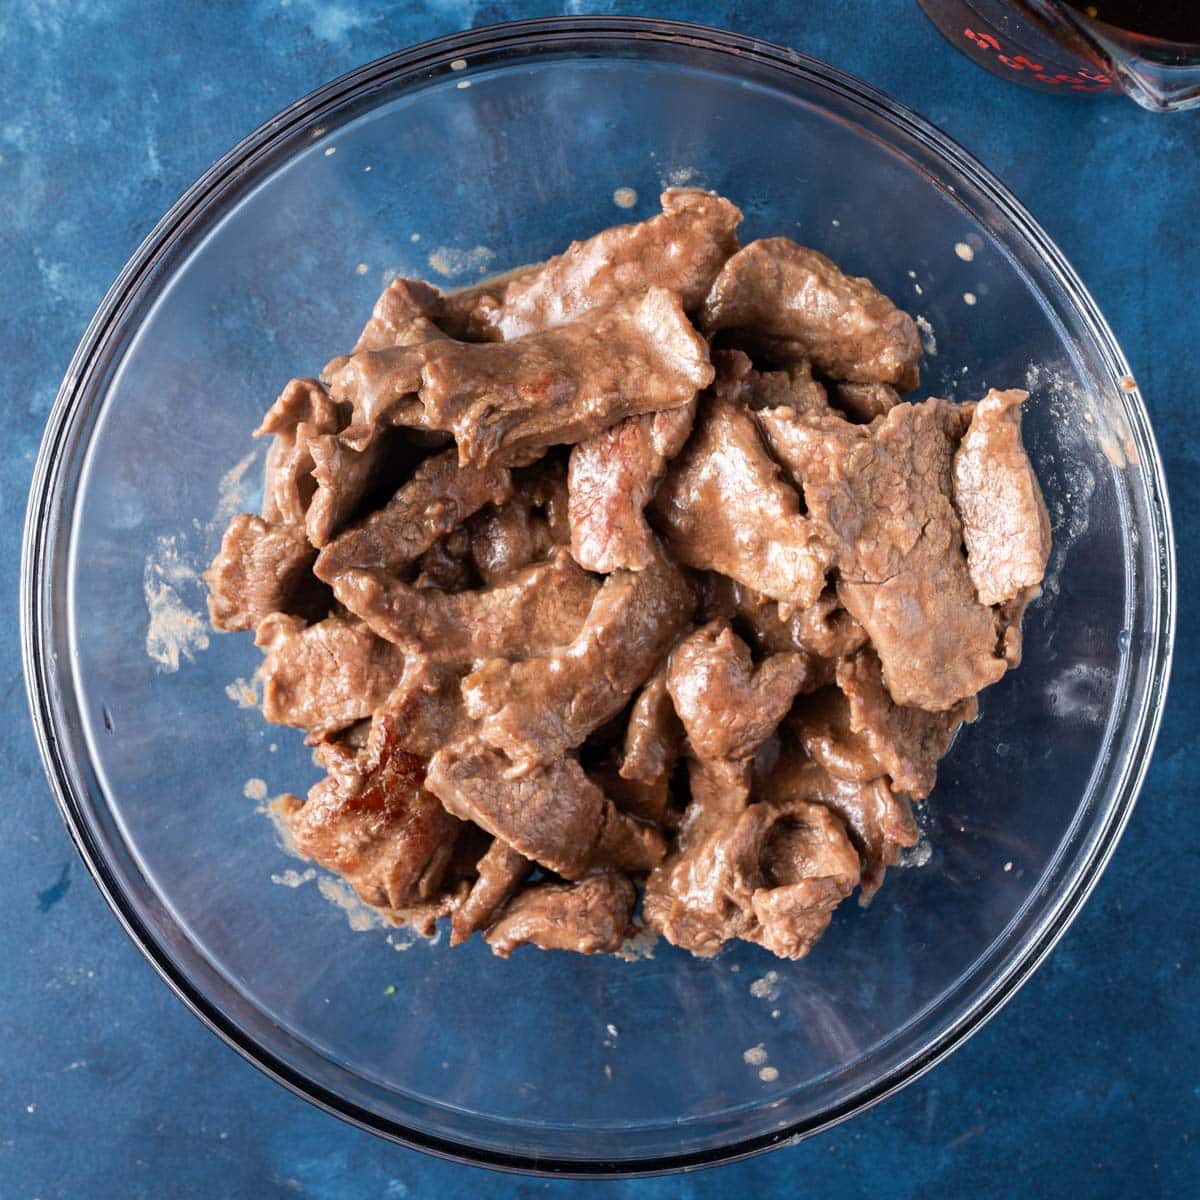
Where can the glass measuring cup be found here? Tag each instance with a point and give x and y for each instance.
(1056, 47)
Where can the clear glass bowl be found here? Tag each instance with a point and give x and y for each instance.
(475, 153)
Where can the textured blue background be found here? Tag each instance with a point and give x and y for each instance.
(1088, 1084)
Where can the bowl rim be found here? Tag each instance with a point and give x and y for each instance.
(195, 204)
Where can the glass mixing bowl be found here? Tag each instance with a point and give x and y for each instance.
(470, 155)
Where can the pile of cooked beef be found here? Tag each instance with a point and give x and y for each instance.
(632, 568)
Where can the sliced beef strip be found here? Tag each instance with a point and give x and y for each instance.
(722, 506)
(531, 612)
(768, 873)
(682, 901)
(447, 564)
(525, 529)
(298, 419)
(792, 384)
(261, 568)
(552, 814)
(880, 495)
(611, 479)
(824, 629)
(646, 799)
(879, 822)
(1011, 614)
(512, 400)
(325, 676)
(342, 476)
(347, 460)
(681, 249)
(404, 315)
(821, 723)
(1004, 521)
(374, 823)
(728, 706)
(538, 709)
(500, 872)
(472, 314)
(508, 401)
(654, 735)
(808, 866)
(440, 495)
(592, 916)
(863, 402)
(906, 742)
(424, 711)
(846, 326)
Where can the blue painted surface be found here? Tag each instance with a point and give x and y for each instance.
(1088, 1084)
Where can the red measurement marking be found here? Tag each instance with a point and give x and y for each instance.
(1081, 81)
(982, 39)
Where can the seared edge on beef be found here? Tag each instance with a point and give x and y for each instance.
(372, 821)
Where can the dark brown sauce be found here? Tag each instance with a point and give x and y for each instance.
(1173, 20)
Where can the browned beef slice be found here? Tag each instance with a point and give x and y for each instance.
(654, 735)
(824, 628)
(508, 401)
(424, 711)
(526, 528)
(863, 402)
(1010, 615)
(501, 871)
(880, 496)
(646, 799)
(722, 506)
(471, 314)
(763, 872)
(538, 709)
(341, 476)
(846, 326)
(438, 498)
(553, 814)
(404, 315)
(682, 900)
(447, 564)
(612, 477)
(1005, 527)
(513, 399)
(681, 249)
(532, 611)
(821, 723)
(375, 823)
(324, 676)
(880, 823)
(906, 742)
(589, 917)
(347, 460)
(792, 385)
(298, 419)
(807, 867)
(728, 706)
(261, 568)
